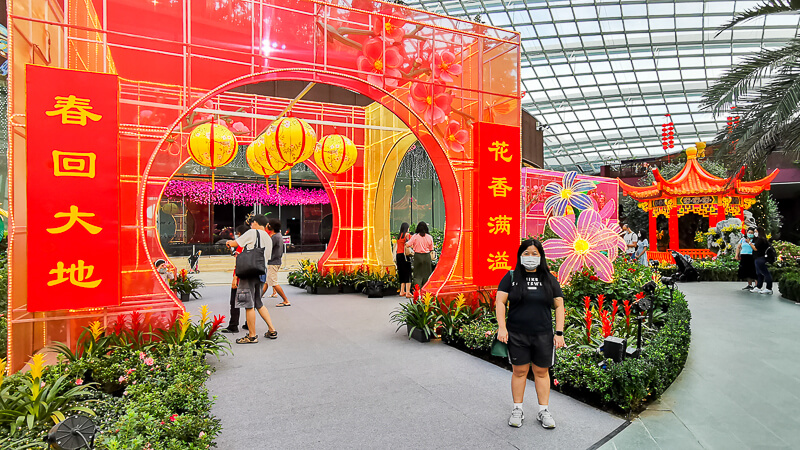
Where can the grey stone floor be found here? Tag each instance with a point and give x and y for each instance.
(740, 388)
(339, 376)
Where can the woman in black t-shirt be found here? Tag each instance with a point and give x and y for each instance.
(760, 246)
(530, 292)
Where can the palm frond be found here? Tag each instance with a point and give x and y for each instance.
(766, 8)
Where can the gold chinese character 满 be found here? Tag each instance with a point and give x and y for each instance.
(500, 149)
(498, 261)
(500, 224)
(77, 274)
(73, 110)
(499, 186)
(74, 216)
(74, 164)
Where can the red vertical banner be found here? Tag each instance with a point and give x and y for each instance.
(497, 202)
(73, 189)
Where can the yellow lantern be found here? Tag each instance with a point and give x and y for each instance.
(260, 161)
(212, 145)
(291, 141)
(335, 154)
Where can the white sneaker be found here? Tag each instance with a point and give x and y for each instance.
(756, 291)
(766, 291)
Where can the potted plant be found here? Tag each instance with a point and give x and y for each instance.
(391, 285)
(327, 283)
(419, 317)
(185, 286)
(348, 282)
(452, 317)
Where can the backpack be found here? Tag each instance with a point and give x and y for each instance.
(770, 254)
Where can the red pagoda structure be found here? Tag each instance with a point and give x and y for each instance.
(694, 190)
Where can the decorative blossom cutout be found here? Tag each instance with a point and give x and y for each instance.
(391, 29)
(382, 65)
(455, 137)
(445, 67)
(568, 193)
(430, 101)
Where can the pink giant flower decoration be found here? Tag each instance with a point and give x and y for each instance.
(455, 137)
(581, 245)
(389, 28)
(379, 63)
(430, 101)
(445, 67)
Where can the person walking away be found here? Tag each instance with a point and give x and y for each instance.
(529, 293)
(744, 254)
(248, 294)
(403, 261)
(274, 263)
(760, 246)
(642, 246)
(630, 241)
(233, 322)
(422, 244)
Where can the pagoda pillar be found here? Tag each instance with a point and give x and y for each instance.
(652, 226)
(717, 217)
(674, 242)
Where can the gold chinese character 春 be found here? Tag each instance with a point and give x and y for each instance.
(73, 110)
(498, 261)
(74, 217)
(500, 149)
(500, 224)
(77, 274)
(499, 186)
(74, 164)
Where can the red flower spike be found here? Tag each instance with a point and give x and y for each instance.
(600, 299)
(216, 324)
(606, 323)
(613, 309)
(639, 296)
(587, 302)
(626, 305)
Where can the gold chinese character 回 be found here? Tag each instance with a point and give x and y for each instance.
(73, 110)
(74, 164)
(500, 224)
(500, 149)
(74, 217)
(499, 186)
(77, 274)
(498, 261)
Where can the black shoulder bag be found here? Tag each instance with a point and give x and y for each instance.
(251, 263)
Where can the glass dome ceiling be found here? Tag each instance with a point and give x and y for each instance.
(600, 76)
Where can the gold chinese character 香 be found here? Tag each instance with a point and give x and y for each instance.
(499, 186)
(73, 111)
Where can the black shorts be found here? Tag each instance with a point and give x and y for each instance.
(538, 349)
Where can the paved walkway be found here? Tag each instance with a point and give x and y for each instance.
(741, 385)
(339, 377)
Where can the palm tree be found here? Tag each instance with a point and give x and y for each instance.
(765, 91)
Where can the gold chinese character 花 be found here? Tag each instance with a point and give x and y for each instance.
(74, 164)
(500, 149)
(500, 224)
(499, 186)
(498, 261)
(77, 274)
(73, 110)
(74, 217)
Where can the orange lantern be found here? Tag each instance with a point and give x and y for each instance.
(262, 163)
(290, 140)
(335, 154)
(212, 145)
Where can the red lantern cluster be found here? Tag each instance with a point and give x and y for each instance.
(733, 121)
(668, 134)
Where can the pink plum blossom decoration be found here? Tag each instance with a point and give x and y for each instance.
(445, 66)
(455, 137)
(430, 101)
(381, 60)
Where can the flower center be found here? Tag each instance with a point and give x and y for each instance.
(444, 66)
(429, 100)
(451, 137)
(388, 27)
(566, 193)
(581, 246)
(378, 64)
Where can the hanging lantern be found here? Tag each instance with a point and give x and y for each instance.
(256, 166)
(262, 158)
(290, 140)
(212, 145)
(335, 154)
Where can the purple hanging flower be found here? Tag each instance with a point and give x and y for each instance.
(244, 194)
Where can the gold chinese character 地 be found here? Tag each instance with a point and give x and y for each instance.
(73, 110)
(74, 216)
(498, 261)
(500, 149)
(500, 224)
(499, 186)
(77, 274)
(74, 164)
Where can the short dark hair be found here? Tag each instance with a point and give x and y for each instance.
(159, 262)
(242, 229)
(275, 225)
(261, 220)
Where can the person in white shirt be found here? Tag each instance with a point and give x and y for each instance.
(630, 241)
(641, 251)
(250, 288)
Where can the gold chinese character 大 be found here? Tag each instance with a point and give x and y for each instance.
(500, 224)
(73, 111)
(78, 274)
(73, 217)
(74, 164)
(498, 261)
(499, 187)
(500, 149)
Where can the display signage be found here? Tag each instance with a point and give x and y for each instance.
(497, 201)
(704, 200)
(72, 189)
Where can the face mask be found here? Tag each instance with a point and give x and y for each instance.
(530, 262)
(755, 234)
(162, 270)
(750, 235)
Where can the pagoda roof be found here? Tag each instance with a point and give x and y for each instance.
(693, 180)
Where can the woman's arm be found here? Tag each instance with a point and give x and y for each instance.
(500, 311)
(559, 302)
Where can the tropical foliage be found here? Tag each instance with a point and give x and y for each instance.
(186, 284)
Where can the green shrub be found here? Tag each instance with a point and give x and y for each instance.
(479, 334)
(789, 285)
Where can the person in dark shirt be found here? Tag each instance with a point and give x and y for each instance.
(530, 292)
(760, 246)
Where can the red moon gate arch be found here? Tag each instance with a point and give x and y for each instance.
(438, 75)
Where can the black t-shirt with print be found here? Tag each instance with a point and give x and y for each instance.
(761, 244)
(532, 314)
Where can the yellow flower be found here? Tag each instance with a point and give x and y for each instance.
(2, 370)
(96, 329)
(38, 366)
(769, 236)
(184, 323)
(460, 299)
(203, 314)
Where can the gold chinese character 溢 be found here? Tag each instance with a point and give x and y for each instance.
(499, 186)
(498, 261)
(500, 224)
(500, 149)
(74, 217)
(73, 110)
(77, 274)
(74, 164)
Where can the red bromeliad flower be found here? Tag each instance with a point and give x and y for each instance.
(613, 309)
(119, 325)
(600, 299)
(416, 293)
(381, 60)
(216, 324)
(136, 321)
(639, 296)
(445, 66)
(626, 304)
(172, 319)
(606, 323)
(390, 29)
(455, 137)
(587, 302)
(588, 319)
(430, 101)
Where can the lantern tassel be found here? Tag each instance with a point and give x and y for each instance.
(267, 183)
(290, 177)
(278, 182)
(212, 179)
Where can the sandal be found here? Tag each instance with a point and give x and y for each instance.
(247, 340)
(283, 304)
(271, 334)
